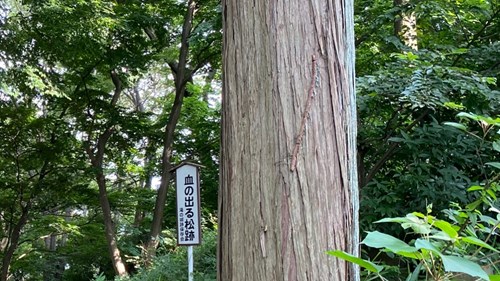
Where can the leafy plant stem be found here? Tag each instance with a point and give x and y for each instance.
(462, 228)
(487, 238)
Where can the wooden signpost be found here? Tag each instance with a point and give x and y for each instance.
(188, 209)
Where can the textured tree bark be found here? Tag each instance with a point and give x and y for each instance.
(276, 220)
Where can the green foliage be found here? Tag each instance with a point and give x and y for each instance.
(408, 156)
(441, 250)
(173, 264)
(55, 92)
(461, 245)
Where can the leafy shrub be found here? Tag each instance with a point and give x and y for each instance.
(463, 246)
(172, 266)
(456, 250)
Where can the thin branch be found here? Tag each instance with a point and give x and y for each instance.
(477, 35)
(393, 148)
(118, 87)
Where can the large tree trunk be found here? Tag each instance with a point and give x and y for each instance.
(288, 176)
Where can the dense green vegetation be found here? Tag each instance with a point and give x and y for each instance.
(89, 90)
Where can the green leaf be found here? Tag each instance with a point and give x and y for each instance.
(468, 115)
(396, 139)
(446, 227)
(456, 125)
(496, 145)
(397, 219)
(495, 277)
(418, 225)
(440, 235)
(379, 240)
(459, 51)
(478, 242)
(474, 205)
(453, 105)
(415, 273)
(424, 244)
(459, 264)
(361, 262)
(475, 187)
(492, 194)
(494, 164)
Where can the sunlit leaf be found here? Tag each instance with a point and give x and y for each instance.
(361, 262)
(456, 125)
(446, 227)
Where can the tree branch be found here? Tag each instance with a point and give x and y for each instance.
(393, 148)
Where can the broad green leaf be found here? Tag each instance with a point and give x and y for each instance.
(474, 205)
(379, 240)
(495, 277)
(478, 242)
(468, 115)
(489, 220)
(496, 145)
(361, 262)
(420, 215)
(490, 80)
(440, 235)
(418, 225)
(456, 125)
(424, 244)
(459, 264)
(475, 187)
(446, 227)
(494, 164)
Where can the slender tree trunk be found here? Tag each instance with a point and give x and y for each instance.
(139, 210)
(109, 228)
(96, 156)
(14, 242)
(405, 25)
(5, 229)
(145, 183)
(182, 75)
(288, 177)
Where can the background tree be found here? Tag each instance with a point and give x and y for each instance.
(104, 49)
(288, 174)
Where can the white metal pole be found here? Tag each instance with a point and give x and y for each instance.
(190, 263)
